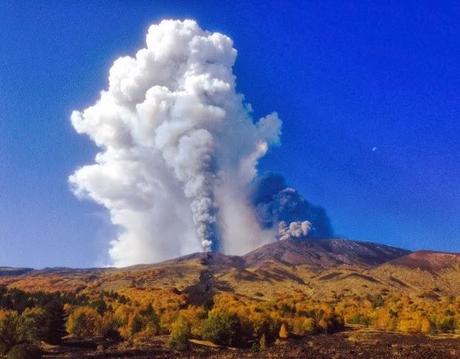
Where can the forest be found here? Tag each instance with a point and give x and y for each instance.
(31, 320)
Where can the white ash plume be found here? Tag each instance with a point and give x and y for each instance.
(295, 229)
(175, 140)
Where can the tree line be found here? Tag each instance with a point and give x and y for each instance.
(136, 316)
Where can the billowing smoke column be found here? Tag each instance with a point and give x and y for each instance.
(178, 148)
(276, 204)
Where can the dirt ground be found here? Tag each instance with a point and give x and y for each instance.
(365, 344)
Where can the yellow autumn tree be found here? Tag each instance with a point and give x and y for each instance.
(283, 333)
(425, 326)
(180, 334)
(84, 322)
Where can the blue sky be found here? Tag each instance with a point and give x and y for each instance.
(368, 95)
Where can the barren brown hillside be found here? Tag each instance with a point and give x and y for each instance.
(322, 268)
(293, 283)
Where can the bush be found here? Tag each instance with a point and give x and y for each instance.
(446, 324)
(180, 334)
(361, 319)
(378, 301)
(84, 322)
(109, 328)
(222, 328)
(136, 324)
(265, 325)
(141, 324)
(16, 329)
(308, 326)
(151, 321)
(24, 351)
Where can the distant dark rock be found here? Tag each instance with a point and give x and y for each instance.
(10, 271)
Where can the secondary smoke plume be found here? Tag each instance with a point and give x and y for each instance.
(178, 148)
(276, 204)
(295, 229)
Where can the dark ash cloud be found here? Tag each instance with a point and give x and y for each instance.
(275, 202)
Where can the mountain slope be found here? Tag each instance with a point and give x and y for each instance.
(317, 268)
(324, 253)
(428, 261)
(429, 272)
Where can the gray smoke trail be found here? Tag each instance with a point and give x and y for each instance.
(178, 148)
